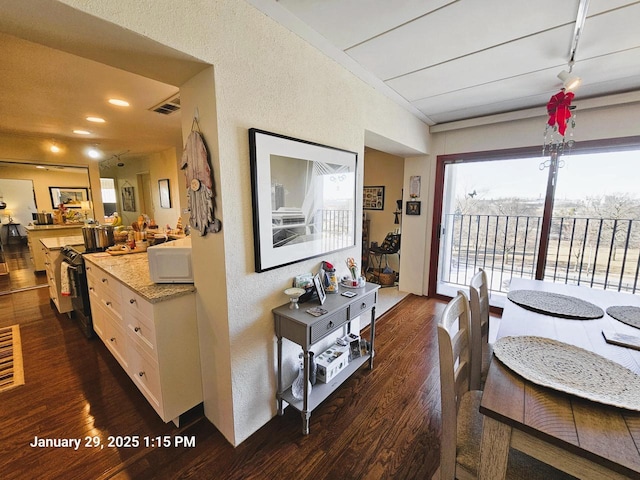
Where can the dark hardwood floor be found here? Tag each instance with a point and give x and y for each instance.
(20, 273)
(382, 423)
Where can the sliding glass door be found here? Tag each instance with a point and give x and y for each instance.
(491, 219)
(573, 219)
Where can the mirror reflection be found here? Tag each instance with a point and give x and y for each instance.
(26, 194)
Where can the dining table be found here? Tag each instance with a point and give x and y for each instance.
(586, 438)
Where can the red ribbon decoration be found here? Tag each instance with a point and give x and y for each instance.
(558, 109)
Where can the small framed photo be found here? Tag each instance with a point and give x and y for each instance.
(413, 208)
(414, 186)
(373, 198)
(354, 346)
(322, 296)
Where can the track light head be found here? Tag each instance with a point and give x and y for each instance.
(569, 81)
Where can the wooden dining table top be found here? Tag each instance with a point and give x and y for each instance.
(602, 434)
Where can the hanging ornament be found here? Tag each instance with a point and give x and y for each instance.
(558, 133)
(559, 110)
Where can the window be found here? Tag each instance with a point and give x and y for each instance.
(109, 197)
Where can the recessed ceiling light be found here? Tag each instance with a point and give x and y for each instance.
(94, 153)
(95, 119)
(118, 102)
(40, 166)
(82, 132)
(55, 148)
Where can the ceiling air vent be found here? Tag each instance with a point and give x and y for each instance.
(168, 106)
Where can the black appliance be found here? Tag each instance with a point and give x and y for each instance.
(72, 256)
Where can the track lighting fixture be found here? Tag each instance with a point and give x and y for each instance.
(569, 81)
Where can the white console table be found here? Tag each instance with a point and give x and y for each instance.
(304, 329)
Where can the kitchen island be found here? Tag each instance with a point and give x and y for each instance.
(37, 232)
(150, 329)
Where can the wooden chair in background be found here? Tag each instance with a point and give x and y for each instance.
(481, 350)
(461, 417)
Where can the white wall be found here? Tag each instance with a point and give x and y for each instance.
(265, 77)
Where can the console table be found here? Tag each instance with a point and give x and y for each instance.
(306, 330)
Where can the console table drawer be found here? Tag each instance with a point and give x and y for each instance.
(325, 326)
(362, 305)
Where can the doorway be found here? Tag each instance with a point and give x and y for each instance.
(382, 216)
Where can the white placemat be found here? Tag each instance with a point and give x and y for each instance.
(570, 369)
(555, 304)
(625, 314)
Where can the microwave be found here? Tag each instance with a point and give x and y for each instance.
(170, 262)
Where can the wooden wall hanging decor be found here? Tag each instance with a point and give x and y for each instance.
(200, 186)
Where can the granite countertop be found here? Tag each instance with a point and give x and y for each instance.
(38, 228)
(56, 243)
(133, 271)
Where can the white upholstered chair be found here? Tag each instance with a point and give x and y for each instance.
(481, 351)
(461, 417)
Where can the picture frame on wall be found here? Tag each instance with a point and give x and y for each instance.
(413, 208)
(414, 186)
(304, 199)
(165, 193)
(373, 198)
(128, 199)
(70, 197)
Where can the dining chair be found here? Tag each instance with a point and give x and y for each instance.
(460, 406)
(481, 349)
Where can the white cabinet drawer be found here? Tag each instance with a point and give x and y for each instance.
(98, 318)
(144, 372)
(134, 303)
(116, 339)
(142, 330)
(105, 289)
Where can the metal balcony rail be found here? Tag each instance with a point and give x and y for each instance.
(597, 252)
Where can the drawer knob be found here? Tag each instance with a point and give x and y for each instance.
(363, 306)
(330, 324)
(104, 280)
(141, 374)
(91, 289)
(88, 268)
(137, 329)
(112, 339)
(108, 304)
(132, 300)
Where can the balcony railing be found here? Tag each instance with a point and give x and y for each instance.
(597, 252)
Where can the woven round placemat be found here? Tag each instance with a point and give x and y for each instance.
(625, 314)
(555, 304)
(570, 369)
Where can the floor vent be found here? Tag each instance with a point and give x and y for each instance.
(168, 106)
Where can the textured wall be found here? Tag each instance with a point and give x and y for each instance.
(265, 77)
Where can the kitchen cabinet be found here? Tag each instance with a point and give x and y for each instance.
(51, 248)
(155, 342)
(37, 232)
(306, 330)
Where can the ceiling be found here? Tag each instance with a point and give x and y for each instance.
(450, 60)
(47, 93)
(442, 60)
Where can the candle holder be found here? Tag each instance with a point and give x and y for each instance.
(294, 294)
